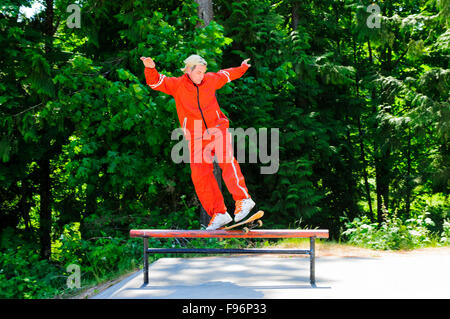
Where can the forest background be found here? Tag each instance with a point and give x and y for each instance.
(358, 90)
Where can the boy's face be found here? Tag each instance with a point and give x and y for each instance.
(197, 74)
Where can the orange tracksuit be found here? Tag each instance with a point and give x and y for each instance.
(205, 128)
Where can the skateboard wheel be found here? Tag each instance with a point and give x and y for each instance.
(246, 230)
(260, 223)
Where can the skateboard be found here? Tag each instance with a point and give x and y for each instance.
(251, 222)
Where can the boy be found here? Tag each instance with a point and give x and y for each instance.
(202, 120)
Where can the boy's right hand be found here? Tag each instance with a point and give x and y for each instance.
(148, 62)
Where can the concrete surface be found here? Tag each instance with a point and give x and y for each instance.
(423, 275)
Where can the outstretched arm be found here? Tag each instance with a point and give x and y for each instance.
(231, 74)
(157, 81)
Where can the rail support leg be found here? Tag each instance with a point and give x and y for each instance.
(145, 268)
(312, 261)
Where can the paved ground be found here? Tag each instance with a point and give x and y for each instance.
(422, 275)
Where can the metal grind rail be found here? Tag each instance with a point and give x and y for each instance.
(282, 233)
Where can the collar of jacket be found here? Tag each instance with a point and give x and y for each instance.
(186, 76)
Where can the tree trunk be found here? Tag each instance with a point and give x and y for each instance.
(382, 179)
(366, 180)
(204, 217)
(408, 176)
(24, 203)
(205, 12)
(384, 167)
(86, 230)
(49, 29)
(361, 142)
(45, 214)
(381, 162)
(295, 7)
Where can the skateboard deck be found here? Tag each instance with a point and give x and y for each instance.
(251, 222)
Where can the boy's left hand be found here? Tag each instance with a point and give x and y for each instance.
(245, 62)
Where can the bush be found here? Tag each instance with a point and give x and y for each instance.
(99, 258)
(23, 275)
(435, 206)
(445, 236)
(393, 233)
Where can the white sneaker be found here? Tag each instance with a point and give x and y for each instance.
(219, 220)
(243, 207)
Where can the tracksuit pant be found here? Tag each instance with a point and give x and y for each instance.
(202, 151)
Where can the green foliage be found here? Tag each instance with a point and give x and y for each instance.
(362, 114)
(445, 235)
(393, 233)
(427, 226)
(22, 274)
